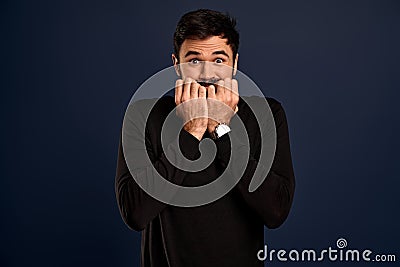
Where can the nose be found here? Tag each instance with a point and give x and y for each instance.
(206, 71)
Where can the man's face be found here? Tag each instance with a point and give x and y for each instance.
(206, 61)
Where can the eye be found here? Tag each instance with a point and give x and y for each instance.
(194, 61)
(219, 60)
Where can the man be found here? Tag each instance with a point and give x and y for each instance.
(230, 230)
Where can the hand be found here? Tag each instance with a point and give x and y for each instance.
(222, 103)
(190, 98)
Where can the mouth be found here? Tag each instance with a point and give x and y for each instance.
(207, 83)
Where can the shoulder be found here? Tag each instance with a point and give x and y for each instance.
(260, 105)
(154, 105)
(274, 105)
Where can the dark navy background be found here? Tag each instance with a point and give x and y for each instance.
(69, 68)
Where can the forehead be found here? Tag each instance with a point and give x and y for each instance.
(206, 46)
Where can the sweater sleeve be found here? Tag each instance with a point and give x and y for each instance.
(272, 200)
(137, 207)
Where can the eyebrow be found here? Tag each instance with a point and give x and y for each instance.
(219, 52)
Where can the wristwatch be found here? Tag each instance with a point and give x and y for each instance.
(220, 130)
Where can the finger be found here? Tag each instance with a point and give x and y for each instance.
(228, 91)
(235, 92)
(194, 90)
(178, 91)
(211, 91)
(235, 87)
(220, 91)
(228, 83)
(186, 90)
(202, 92)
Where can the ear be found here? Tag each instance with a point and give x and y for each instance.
(235, 64)
(175, 61)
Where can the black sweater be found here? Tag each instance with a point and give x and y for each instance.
(227, 232)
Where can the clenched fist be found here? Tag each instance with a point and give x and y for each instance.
(222, 102)
(190, 98)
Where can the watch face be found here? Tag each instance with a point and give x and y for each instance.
(222, 129)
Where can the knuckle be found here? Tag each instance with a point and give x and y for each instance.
(178, 83)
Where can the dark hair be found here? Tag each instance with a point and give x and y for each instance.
(203, 23)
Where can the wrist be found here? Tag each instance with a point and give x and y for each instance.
(196, 132)
(212, 124)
